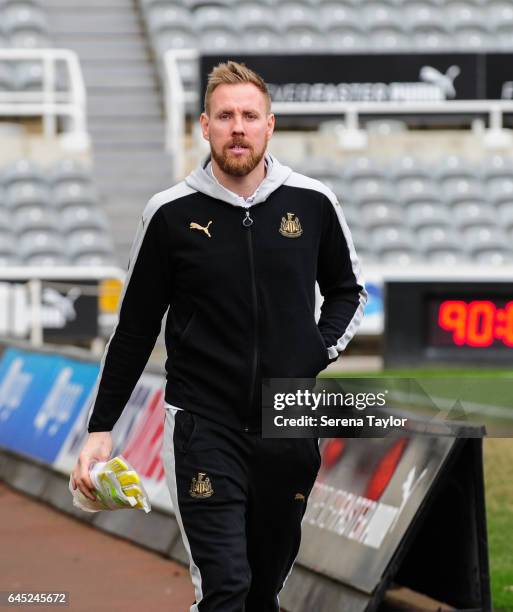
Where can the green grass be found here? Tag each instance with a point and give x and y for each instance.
(498, 470)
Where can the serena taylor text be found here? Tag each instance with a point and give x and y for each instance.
(327, 421)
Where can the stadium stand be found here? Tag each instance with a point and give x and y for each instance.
(408, 210)
(51, 216)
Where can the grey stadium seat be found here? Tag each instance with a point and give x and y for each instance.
(7, 77)
(73, 194)
(334, 13)
(372, 191)
(386, 240)
(436, 238)
(308, 37)
(363, 167)
(350, 37)
(94, 260)
(447, 256)
(5, 220)
(22, 170)
(161, 19)
(179, 37)
(69, 170)
(46, 260)
(418, 191)
(35, 217)
(500, 188)
(476, 36)
(505, 216)
(453, 167)
(496, 165)
(40, 243)
(256, 15)
(24, 19)
(29, 39)
(296, 14)
(408, 167)
(262, 38)
(421, 214)
(211, 16)
(220, 38)
(472, 215)
(463, 191)
(393, 37)
(8, 244)
(88, 243)
(20, 195)
(83, 218)
(380, 215)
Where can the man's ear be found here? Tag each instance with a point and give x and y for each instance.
(204, 125)
(271, 121)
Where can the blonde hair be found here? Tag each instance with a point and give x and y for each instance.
(232, 73)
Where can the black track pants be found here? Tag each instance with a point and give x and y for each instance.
(239, 500)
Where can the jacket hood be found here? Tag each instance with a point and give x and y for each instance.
(201, 180)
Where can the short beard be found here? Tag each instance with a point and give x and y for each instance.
(237, 166)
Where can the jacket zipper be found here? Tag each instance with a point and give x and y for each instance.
(248, 222)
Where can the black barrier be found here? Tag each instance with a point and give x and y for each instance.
(400, 512)
(371, 77)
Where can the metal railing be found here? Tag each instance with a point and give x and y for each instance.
(49, 102)
(177, 97)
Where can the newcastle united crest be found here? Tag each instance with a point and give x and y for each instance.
(201, 486)
(290, 227)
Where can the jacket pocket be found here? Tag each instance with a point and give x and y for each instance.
(185, 429)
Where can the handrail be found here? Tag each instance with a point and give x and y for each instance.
(48, 102)
(176, 98)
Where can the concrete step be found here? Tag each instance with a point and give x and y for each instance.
(132, 104)
(57, 5)
(96, 22)
(109, 48)
(139, 76)
(128, 135)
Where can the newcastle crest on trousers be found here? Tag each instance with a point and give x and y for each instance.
(201, 486)
(290, 227)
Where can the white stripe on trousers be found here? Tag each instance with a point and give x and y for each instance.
(168, 460)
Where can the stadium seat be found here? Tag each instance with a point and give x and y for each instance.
(7, 77)
(421, 214)
(22, 171)
(72, 194)
(69, 171)
(88, 242)
(48, 260)
(35, 218)
(380, 215)
(40, 242)
(173, 17)
(19, 195)
(411, 191)
(467, 215)
(24, 19)
(83, 218)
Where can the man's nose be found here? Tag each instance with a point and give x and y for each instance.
(238, 125)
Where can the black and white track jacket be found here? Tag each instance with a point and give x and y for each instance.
(240, 286)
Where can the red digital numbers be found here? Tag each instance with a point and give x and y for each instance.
(477, 323)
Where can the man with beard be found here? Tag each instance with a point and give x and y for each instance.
(235, 251)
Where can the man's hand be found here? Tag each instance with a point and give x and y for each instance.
(98, 447)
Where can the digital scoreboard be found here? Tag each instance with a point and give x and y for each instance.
(448, 322)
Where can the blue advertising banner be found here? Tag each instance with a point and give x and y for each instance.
(41, 396)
